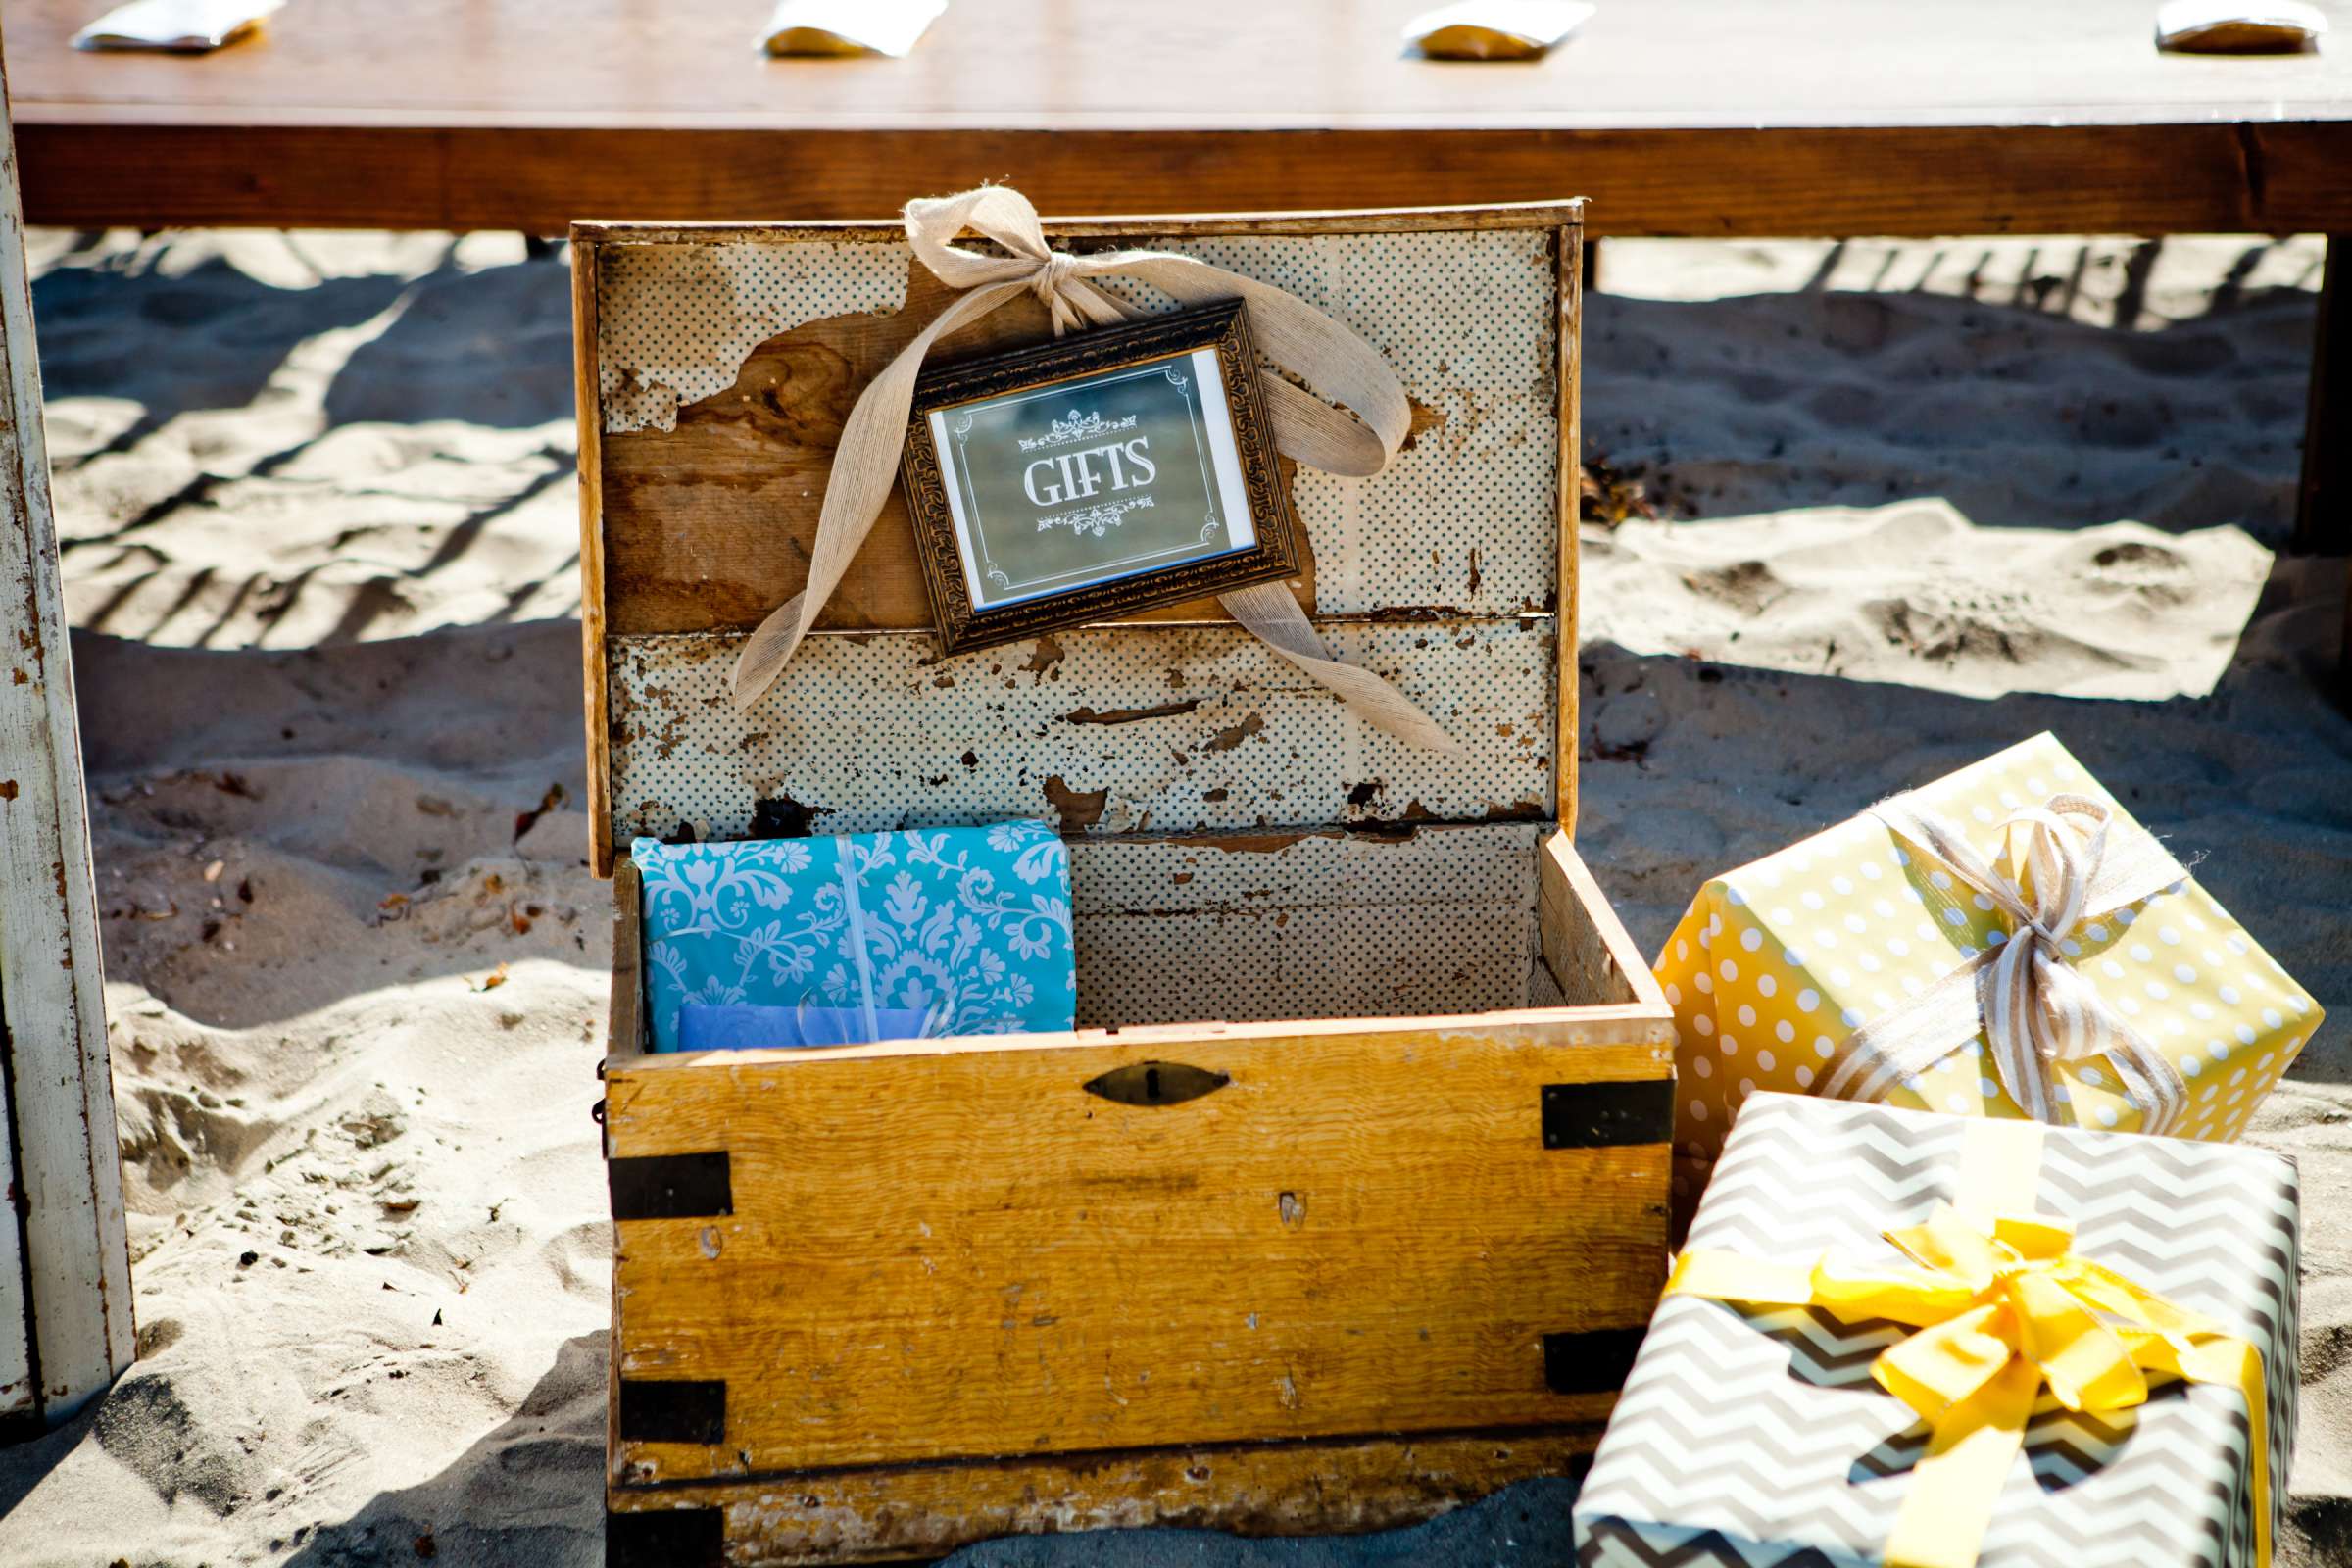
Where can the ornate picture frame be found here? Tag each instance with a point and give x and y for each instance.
(1115, 470)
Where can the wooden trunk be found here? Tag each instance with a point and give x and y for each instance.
(1379, 1238)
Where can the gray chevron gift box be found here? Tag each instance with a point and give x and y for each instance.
(1757, 1437)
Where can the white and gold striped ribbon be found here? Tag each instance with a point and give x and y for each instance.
(2023, 993)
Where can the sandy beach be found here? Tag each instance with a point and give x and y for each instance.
(1860, 512)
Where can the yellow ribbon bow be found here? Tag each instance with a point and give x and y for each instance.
(1999, 1313)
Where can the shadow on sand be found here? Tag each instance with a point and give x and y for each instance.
(211, 337)
(530, 1494)
(348, 788)
(1690, 766)
(489, 347)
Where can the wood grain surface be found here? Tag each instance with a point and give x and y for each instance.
(950, 1291)
(1585, 945)
(625, 1019)
(966, 1254)
(1567, 640)
(710, 525)
(588, 415)
(1603, 994)
(1695, 116)
(896, 1513)
(1047, 65)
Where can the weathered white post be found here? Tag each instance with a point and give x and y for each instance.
(65, 1267)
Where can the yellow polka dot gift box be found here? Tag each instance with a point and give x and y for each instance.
(2004, 942)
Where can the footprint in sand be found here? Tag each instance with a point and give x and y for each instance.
(2136, 561)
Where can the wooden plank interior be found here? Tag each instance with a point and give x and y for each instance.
(896, 1514)
(1568, 685)
(625, 1029)
(725, 385)
(1453, 908)
(1626, 961)
(1585, 962)
(702, 524)
(1439, 865)
(1295, 1193)
(1317, 925)
(590, 464)
(1584, 942)
(1100, 730)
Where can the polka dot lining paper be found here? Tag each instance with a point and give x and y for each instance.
(879, 732)
(1333, 926)
(1777, 963)
(678, 321)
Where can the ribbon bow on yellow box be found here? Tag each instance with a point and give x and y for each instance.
(2004, 942)
(2003, 1307)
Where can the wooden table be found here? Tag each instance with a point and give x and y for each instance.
(1712, 118)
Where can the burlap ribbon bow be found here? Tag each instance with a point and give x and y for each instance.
(1288, 330)
(2023, 993)
(2003, 1306)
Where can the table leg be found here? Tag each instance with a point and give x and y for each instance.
(2324, 508)
(2324, 505)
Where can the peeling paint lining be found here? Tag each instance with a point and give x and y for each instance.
(1233, 742)
(1465, 318)
(675, 323)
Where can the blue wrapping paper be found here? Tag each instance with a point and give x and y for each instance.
(969, 928)
(746, 1026)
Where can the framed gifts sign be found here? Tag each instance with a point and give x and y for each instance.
(1119, 469)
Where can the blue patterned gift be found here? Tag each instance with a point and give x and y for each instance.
(969, 928)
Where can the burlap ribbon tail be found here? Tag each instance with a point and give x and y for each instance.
(1288, 330)
(2023, 993)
